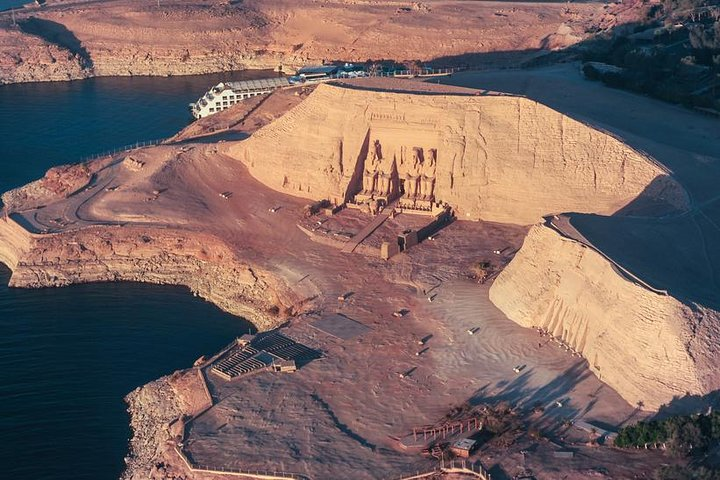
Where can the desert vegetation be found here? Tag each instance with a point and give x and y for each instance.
(681, 435)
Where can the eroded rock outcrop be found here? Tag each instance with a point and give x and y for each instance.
(15, 241)
(499, 158)
(28, 58)
(162, 256)
(648, 346)
(60, 181)
(152, 407)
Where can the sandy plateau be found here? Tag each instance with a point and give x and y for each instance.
(70, 39)
(623, 331)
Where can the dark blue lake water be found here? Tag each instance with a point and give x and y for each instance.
(68, 356)
(7, 4)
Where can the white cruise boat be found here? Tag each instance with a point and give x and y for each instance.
(224, 95)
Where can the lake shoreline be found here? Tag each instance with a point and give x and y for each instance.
(155, 329)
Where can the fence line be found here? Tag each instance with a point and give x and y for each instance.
(419, 72)
(124, 148)
(409, 72)
(263, 474)
(462, 467)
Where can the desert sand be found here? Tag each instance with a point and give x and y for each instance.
(587, 213)
(672, 255)
(81, 38)
(155, 215)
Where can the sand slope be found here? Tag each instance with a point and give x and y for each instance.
(676, 253)
(635, 340)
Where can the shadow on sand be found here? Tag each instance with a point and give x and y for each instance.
(229, 136)
(519, 394)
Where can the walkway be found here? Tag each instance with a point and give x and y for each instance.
(379, 219)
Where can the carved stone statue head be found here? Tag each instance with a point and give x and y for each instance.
(417, 157)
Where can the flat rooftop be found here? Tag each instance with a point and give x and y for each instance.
(259, 84)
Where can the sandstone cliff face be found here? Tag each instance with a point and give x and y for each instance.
(126, 37)
(499, 158)
(161, 256)
(15, 241)
(645, 345)
(27, 58)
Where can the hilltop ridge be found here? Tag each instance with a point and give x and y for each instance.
(66, 40)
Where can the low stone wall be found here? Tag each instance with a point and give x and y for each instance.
(256, 474)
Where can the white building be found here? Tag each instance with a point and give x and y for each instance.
(224, 95)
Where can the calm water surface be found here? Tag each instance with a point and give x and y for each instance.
(53, 123)
(7, 4)
(68, 356)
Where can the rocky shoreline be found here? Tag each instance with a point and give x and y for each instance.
(155, 406)
(152, 408)
(161, 256)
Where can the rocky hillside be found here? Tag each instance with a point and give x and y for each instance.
(80, 38)
(670, 51)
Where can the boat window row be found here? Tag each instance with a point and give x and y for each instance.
(244, 95)
(227, 102)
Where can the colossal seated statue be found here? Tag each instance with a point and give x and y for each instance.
(429, 168)
(427, 187)
(411, 185)
(384, 184)
(369, 182)
(370, 173)
(417, 160)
